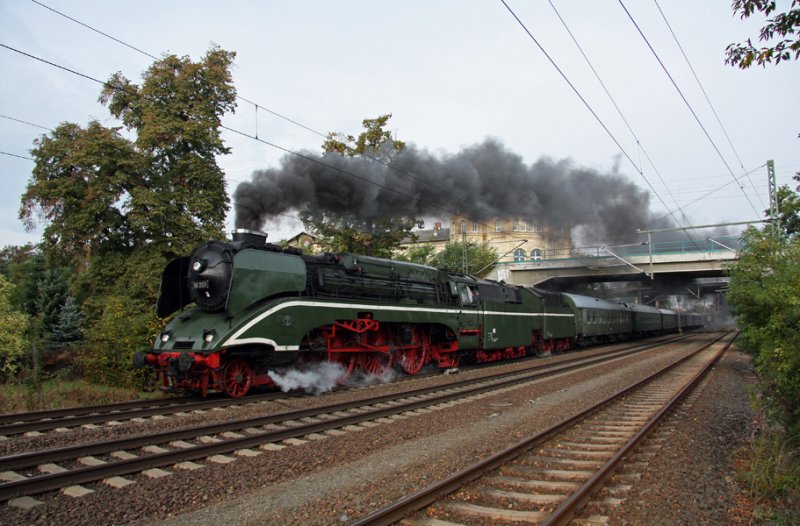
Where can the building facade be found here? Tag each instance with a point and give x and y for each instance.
(514, 240)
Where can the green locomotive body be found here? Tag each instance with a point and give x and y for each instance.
(258, 308)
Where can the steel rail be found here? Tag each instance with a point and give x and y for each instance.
(30, 416)
(411, 503)
(165, 409)
(42, 483)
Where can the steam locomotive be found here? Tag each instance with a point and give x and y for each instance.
(259, 307)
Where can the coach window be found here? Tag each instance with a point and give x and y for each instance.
(519, 255)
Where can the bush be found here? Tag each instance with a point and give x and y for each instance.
(765, 297)
(124, 327)
(13, 328)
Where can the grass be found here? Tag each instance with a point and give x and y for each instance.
(772, 477)
(54, 394)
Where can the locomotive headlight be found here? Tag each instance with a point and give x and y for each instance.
(208, 337)
(164, 337)
(198, 266)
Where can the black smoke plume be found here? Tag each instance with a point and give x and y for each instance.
(481, 182)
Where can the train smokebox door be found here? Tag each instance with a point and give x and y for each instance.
(469, 328)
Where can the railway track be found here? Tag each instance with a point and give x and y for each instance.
(62, 419)
(42, 471)
(36, 422)
(546, 479)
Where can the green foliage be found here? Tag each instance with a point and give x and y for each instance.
(13, 328)
(765, 297)
(13, 259)
(27, 274)
(176, 113)
(66, 332)
(363, 235)
(479, 257)
(52, 292)
(773, 478)
(789, 209)
(78, 178)
(784, 25)
(378, 238)
(373, 140)
(124, 327)
(421, 254)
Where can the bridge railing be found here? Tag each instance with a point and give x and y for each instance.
(715, 244)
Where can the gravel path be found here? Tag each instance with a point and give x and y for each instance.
(341, 478)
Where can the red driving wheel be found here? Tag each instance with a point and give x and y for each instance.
(237, 378)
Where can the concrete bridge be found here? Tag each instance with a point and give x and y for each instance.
(659, 261)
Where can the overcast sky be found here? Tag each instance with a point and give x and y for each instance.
(452, 73)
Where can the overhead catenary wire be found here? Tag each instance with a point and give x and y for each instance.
(640, 146)
(710, 105)
(15, 155)
(706, 195)
(25, 122)
(686, 102)
(589, 107)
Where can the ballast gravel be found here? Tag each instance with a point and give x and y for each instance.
(334, 480)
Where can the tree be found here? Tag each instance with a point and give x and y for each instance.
(374, 140)
(23, 266)
(784, 25)
(421, 254)
(116, 210)
(13, 328)
(67, 329)
(379, 237)
(51, 294)
(789, 209)
(479, 257)
(350, 233)
(176, 114)
(79, 177)
(764, 294)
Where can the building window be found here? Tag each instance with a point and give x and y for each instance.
(515, 226)
(463, 227)
(523, 226)
(474, 227)
(498, 227)
(519, 255)
(536, 254)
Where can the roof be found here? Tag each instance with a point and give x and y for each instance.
(301, 234)
(588, 302)
(428, 236)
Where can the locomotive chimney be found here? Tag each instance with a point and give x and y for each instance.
(253, 238)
